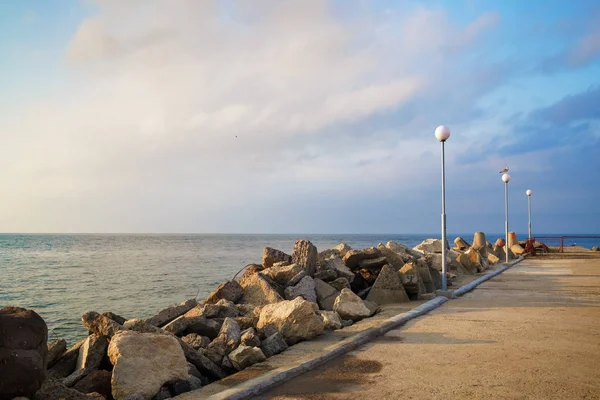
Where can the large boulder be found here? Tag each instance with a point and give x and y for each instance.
(326, 294)
(326, 274)
(411, 280)
(295, 320)
(461, 244)
(342, 248)
(425, 274)
(492, 259)
(396, 260)
(228, 339)
(339, 284)
(517, 249)
(65, 365)
(259, 292)
(100, 325)
(331, 319)
(92, 352)
(250, 338)
(436, 277)
(193, 324)
(388, 287)
(274, 344)
(55, 350)
(172, 312)
(479, 240)
(305, 288)
(196, 341)
(435, 260)
(230, 290)
(430, 246)
(117, 318)
(222, 309)
(373, 263)
(282, 274)
(272, 256)
(336, 264)
(471, 260)
(245, 356)
(324, 255)
(54, 389)
(23, 352)
(349, 306)
(143, 362)
(306, 255)
(404, 251)
(353, 258)
(202, 363)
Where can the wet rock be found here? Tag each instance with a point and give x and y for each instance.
(273, 344)
(297, 278)
(53, 389)
(295, 320)
(227, 340)
(272, 256)
(170, 313)
(283, 274)
(336, 264)
(350, 306)
(56, 349)
(326, 295)
(259, 292)
(92, 352)
(96, 381)
(388, 287)
(201, 362)
(305, 288)
(250, 338)
(196, 341)
(461, 244)
(326, 275)
(245, 356)
(353, 258)
(157, 358)
(306, 255)
(23, 352)
(100, 325)
(230, 290)
(117, 318)
(66, 364)
(331, 319)
(339, 284)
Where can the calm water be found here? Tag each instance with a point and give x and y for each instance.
(63, 276)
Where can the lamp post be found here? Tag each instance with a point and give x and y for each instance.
(529, 193)
(506, 179)
(442, 133)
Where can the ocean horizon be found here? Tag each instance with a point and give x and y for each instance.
(61, 276)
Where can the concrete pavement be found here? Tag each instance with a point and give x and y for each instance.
(532, 332)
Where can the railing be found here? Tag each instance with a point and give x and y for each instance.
(559, 241)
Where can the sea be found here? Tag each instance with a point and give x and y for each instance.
(63, 276)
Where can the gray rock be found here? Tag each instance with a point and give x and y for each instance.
(245, 356)
(324, 255)
(373, 263)
(196, 341)
(273, 344)
(227, 366)
(201, 362)
(170, 313)
(411, 280)
(297, 278)
(423, 268)
(388, 287)
(228, 339)
(282, 274)
(222, 309)
(55, 350)
(157, 358)
(272, 256)
(336, 264)
(331, 319)
(117, 318)
(250, 338)
(305, 288)
(306, 255)
(100, 325)
(326, 274)
(372, 306)
(193, 371)
(53, 389)
(92, 352)
(353, 258)
(139, 325)
(326, 295)
(350, 306)
(396, 260)
(339, 284)
(66, 364)
(200, 325)
(402, 249)
(95, 381)
(230, 290)
(246, 322)
(259, 292)
(295, 320)
(436, 277)
(75, 377)
(347, 322)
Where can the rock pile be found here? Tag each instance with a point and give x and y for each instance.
(275, 304)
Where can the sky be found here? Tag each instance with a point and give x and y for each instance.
(298, 116)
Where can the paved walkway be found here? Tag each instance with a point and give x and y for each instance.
(533, 332)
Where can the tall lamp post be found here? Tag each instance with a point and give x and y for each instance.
(506, 179)
(442, 133)
(529, 193)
